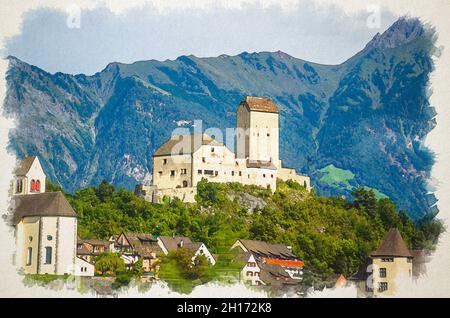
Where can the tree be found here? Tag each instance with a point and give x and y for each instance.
(366, 200)
(109, 263)
(52, 187)
(137, 268)
(105, 190)
(209, 193)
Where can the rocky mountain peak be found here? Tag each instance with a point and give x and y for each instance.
(403, 31)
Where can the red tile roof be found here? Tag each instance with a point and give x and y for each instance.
(286, 263)
(260, 104)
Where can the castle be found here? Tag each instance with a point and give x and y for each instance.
(184, 160)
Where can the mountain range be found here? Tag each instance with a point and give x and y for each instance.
(358, 124)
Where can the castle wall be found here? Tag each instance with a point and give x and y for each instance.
(286, 174)
(264, 137)
(172, 171)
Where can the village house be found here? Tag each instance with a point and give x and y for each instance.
(89, 249)
(83, 267)
(45, 225)
(173, 243)
(184, 160)
(268, 264)
(139, 246)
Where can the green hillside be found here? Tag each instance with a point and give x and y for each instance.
(332, 235)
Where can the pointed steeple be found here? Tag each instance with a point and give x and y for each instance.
(393, 245)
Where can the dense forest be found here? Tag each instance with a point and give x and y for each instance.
(332, 235)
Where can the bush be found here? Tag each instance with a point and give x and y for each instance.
(109, 264)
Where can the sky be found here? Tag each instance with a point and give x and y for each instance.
(75, 40)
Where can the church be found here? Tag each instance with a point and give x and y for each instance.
(184, 160)
(45, 225)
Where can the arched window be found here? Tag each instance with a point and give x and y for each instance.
(19, 186)
(38, 185)
(33, 185)
(48, 255)
(29, 256)
(185, 184)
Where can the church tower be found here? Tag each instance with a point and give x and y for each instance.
(257, 130)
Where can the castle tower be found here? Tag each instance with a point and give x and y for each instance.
(257, 130)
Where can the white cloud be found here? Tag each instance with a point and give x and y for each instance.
(86, 43)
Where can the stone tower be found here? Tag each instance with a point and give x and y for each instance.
(257, 130)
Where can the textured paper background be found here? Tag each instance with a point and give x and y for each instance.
(436, 12)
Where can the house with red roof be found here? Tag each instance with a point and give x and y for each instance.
(268, 264)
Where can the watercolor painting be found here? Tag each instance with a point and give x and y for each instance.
(225, 149)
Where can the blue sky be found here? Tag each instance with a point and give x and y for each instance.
(322, 35)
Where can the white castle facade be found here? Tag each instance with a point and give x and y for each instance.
(184, 160)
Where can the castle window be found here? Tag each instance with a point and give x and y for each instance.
(240, 173)
(387, 260)
(249, 176)
(264, 175)
(383, 272)
(383, 286)
(199, 171)
(49, 237)
(183, 171)
(249, 273)
(203, 159)
(212, 149)
(33, 185)
(232, 173)
(38, 185)
(172, 173)
(29, 255)
(30, 239)
(268, 135)
(209, 172)
(160, 173)
(185, 184)
(216, 173)
(48, 255)
(164, 161)
(409, 260)
(271, 176)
